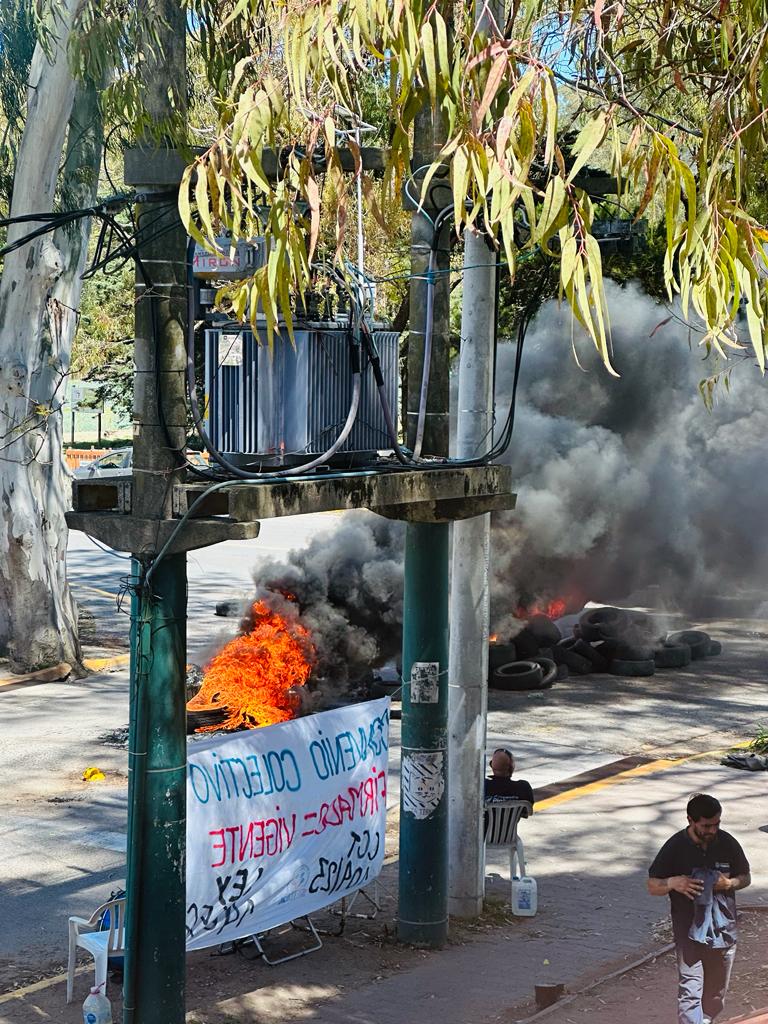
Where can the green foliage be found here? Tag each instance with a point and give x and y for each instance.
(671, 99)
(103, 349)
(17, 44)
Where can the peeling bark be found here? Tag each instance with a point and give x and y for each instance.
(39, 291)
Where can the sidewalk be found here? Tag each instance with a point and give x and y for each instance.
(589, 851)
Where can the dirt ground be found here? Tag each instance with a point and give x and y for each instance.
(646, 995)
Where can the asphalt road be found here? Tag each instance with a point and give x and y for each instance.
(63, 840)
(219, 573)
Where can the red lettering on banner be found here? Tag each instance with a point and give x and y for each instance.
(253, 840)
(220, 845)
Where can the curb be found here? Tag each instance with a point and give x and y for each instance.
(110, 664)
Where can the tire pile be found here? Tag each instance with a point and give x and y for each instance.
(613, 640)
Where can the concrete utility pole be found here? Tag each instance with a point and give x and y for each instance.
(470, 594)
(423, 913)
(156, 908)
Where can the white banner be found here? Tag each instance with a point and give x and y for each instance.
(284, 820)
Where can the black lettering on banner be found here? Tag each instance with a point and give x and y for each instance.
(232, 904)
(351, 870)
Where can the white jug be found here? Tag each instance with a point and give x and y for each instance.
(97, 1008)
(524, 897)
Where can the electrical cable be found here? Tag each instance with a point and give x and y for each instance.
(230, 467)
(437, 226)
(155, 331)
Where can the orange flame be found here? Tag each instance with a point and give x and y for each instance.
(552, 609)
(493, 638)
(253, 675)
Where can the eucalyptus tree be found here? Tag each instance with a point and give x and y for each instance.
(56, 162)
(669, 96)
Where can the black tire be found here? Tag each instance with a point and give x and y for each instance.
(643, 624)
(607, 649)
(696, 639)
(593, 656)
(549, 668)
(526, 644)
(603, 623)
(620, 667)
(229, 609)
(568, 642)
(518, 675)
(672, 655)
(577, 663)
(562, 672)
(500, 654)
(715, 647)
(544, 629)
(635, 649)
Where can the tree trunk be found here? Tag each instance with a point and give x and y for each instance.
(39, 289)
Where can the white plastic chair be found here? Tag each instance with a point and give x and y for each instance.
(101, 944)
(502, 816)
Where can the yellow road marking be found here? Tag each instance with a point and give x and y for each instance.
(612, 780)
(107, 664)
(38, 986)
(631, 773)
(95, 590)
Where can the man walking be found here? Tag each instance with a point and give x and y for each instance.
(701, 868)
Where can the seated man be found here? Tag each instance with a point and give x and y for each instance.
(501, 783)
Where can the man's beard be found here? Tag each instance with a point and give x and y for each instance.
(704, 838)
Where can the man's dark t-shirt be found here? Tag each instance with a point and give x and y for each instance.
(517, 789)
(680, 855)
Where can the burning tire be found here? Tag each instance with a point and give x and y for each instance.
(698, 641)
(646, 667)
(518, 675)
(544, 629)
(526, 644)
(206, 719)
(549, 668)
(603, 623)
(672, 655)
(715, 647)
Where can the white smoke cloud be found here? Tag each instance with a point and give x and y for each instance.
(630, 483)
(622, 484)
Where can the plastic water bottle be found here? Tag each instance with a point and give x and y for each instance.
(524, 897)
(97, 1008)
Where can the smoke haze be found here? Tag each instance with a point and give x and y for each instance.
(622, 485)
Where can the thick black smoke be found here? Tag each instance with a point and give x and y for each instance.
(347, 585)
(622, 484)
(631, 484)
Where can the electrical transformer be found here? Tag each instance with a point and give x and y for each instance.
(275, 407)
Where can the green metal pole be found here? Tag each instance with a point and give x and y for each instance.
(155, 922)
(423, 905)
(423, 915)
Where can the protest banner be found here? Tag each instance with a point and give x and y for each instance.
(284, 820)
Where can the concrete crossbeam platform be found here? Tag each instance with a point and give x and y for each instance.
(102, 508)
